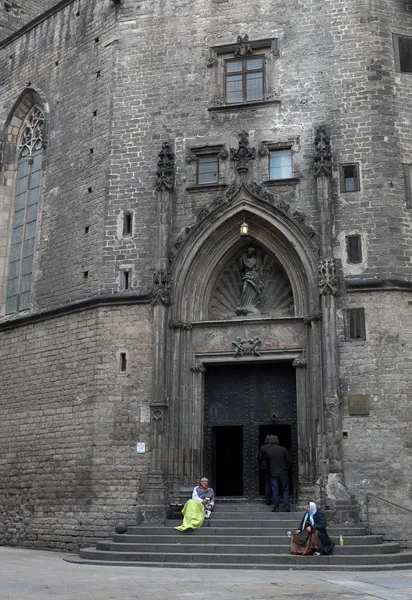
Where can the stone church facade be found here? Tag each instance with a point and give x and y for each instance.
(205, 237)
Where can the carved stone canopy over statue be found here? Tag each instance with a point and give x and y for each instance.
(252, 284)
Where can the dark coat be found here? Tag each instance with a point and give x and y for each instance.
(277, 460)
(319, 524)
(262, 458)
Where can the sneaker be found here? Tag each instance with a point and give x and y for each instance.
(287, 508)
(316, 554)
(207, 514)
(275, 509)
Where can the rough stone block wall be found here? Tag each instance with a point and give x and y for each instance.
(164, 89)
(378, 448)
(16, 13)
(377, 451)
(69, 424)
(68, 59)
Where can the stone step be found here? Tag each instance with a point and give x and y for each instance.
(236, 549)
(261, 508)
(256, 516)
(187, 558)
(288, 524)
(237, 530)
(192, 537)
(310, 563)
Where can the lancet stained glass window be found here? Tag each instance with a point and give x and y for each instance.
(28, 186)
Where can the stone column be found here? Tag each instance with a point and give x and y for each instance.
(332, 426)
(156, 493)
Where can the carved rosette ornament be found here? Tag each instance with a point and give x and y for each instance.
(300, 363)
(328, 283)
(161, 290)
(323, 153)
(246, 347)
(165, 172)
(198, 368)
(243, 47)
(242, 155)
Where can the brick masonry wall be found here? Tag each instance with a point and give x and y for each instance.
(16, 13)
(68, 59)
(378, 449)
(335, 67)
(69, 424)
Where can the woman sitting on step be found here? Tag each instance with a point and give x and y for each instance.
(311, 537)
(199, 507)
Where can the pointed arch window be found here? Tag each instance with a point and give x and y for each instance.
(28, 186)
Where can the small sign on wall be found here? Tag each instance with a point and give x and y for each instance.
(140, 447)
(358, 405)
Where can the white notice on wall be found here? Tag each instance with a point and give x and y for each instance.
(145, 413)
(141, 447)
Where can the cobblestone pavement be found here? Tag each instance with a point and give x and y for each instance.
(36, 575)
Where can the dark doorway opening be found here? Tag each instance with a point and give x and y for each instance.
(243, 404)
(284, 434)
(227, 460)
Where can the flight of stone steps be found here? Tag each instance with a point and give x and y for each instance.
(245, 536)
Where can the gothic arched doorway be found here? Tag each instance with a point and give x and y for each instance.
(259, 339)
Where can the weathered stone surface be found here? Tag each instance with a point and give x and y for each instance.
(122, 80)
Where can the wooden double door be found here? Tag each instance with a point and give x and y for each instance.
(243, 404)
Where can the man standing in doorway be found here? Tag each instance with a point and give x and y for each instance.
(278, 464)
(264, 468)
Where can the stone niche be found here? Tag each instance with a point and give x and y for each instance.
(253, 283)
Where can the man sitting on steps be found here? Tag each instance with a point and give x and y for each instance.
(278, 464)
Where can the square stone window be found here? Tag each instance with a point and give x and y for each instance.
(277, 162)
(207, 166)
(280, 164)
(354, 249)
(245, 73)
(355, 324)
(403, 53)
(208, 169)
(349, 178)
(244, 79)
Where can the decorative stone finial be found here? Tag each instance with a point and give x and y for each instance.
(323, 153)
(161, 290)
(243, 154)
(165, 172)
(328, 283)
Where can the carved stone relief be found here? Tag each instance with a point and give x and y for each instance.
(161, 290)
(323, 153)
(252, 283)
(243, 154)
(180, 325)
(243, 47)
(300, 363)
(328, 283)
(246, 347)
(198, 368)
(165, 172)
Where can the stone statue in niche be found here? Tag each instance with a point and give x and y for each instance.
(252, 284)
